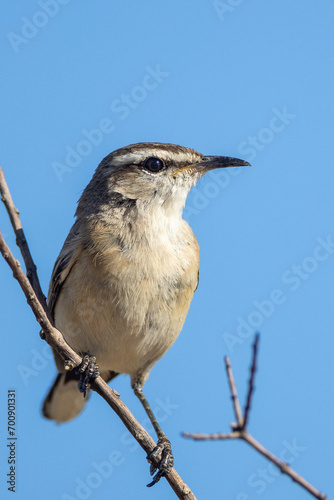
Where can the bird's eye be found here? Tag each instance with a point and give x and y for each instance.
(153, 164)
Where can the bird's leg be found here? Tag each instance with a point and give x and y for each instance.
(163, 446)
(88, 371)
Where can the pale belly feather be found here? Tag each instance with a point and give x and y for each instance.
(120, 314)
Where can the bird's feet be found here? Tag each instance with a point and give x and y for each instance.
(164, 449)
(88, 371)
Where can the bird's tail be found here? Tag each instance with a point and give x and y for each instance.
(64, 401)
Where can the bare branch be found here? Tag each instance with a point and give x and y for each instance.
(211, 437)
(239, 428)
(251, 380)
(283, 466)
(234, 395)
(56, 340)
(21, 240)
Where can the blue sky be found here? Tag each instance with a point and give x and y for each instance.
(238, 78)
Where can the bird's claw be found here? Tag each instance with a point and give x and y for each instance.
(88, 371)
(164, 449)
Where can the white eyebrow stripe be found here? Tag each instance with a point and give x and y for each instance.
(137, 156)
(123, 159)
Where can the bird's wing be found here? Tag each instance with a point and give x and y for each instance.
(67, 258)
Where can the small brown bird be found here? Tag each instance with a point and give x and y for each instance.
(123, 282)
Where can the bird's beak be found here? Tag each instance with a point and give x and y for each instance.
(211, 162)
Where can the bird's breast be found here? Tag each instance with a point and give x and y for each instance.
(132, 296)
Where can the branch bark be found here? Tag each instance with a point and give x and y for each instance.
(37, 302)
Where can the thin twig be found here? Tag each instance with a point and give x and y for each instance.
(56, 340)
(21, 240)
(234, 395)
(251, 380)
(283, 466)
(239, 428)
(248, 438)
(218, 436)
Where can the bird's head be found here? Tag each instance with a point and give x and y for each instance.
(152, 174)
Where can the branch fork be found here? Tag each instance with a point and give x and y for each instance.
(239, 428)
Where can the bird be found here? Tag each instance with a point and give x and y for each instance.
(122, 284)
